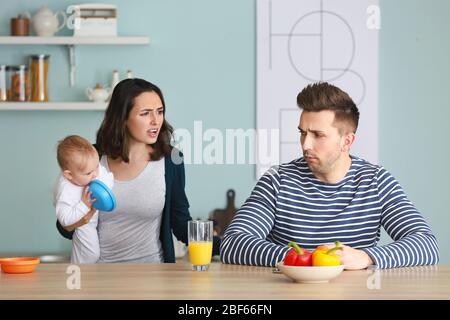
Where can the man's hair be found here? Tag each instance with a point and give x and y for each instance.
(324, 96)
(74, 150)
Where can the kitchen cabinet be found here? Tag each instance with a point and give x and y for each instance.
(70, 42)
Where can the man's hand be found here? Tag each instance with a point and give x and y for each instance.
(86, 197)
(87, 217)
(353, 259)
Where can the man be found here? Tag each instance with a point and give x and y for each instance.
(329, 195)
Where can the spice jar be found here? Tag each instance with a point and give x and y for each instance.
(18, 88)
(20, 26)
(3, 96)
(39, 71)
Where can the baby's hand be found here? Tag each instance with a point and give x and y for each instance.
(86, 197)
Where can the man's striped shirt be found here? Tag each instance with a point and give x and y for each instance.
(290, 204)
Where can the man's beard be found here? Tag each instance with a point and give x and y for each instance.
(318, 168)
(322, 167)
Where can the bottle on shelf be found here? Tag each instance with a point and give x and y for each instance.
(39, 71)
(18, 83)
(3, 96)
(129, 74)
(115, 79)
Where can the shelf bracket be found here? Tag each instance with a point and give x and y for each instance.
(72, 65)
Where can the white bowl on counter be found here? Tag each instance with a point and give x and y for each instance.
(301, 274)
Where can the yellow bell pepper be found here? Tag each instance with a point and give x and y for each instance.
(323, 256)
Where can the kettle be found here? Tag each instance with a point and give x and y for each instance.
(45, 22)
(99, 93)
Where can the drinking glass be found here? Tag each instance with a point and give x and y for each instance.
(200, 235)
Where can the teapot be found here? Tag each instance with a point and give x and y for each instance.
(45, 22)
(99, 93)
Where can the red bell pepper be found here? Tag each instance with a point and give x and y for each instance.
(297, 256)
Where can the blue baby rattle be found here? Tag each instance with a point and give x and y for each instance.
(105, 199)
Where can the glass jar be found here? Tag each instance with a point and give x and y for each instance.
(39, 72)
(18, 83)
(3, 96)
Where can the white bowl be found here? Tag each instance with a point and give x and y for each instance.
(310, 274)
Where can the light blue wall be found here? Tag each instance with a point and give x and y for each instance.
(414, 106)
(202, 54)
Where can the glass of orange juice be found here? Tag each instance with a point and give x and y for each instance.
(200, 235)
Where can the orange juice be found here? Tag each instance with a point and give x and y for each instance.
(200, 252)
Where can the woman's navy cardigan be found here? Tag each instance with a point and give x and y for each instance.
(175, 215)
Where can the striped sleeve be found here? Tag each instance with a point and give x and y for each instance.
(245, 241)
(414, 243)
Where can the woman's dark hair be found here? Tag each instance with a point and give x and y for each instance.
(113, 136)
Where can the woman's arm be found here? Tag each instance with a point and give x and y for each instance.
(67, 231)
(180, 205)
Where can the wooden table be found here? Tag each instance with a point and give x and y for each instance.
(178, 282)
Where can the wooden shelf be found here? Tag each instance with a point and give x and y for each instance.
(71, 42)
(49, 106)
(34, 40)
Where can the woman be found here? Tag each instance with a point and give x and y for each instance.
(134, 144)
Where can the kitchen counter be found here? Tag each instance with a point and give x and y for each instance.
(178, 282)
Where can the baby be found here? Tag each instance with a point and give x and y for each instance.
(79, 163)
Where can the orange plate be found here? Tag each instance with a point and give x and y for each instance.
(19, 265)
